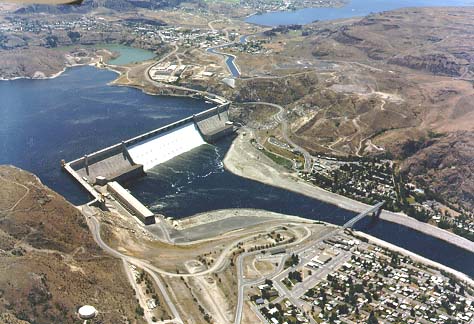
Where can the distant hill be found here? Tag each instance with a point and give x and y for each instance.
(88, 5)
(49, 262)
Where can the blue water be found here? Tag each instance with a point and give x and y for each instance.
(197, 182)
(129, 54)
(354, 8)
(229, 60)
(44, 121)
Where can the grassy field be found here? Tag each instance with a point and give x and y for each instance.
(278, 159)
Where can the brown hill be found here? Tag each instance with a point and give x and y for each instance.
(373, 85)
(447, 165)
(49, 262)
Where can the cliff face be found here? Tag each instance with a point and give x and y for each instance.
(436, 63)
(49, 262)
(447, 166)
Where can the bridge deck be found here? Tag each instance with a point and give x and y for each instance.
(357, 218)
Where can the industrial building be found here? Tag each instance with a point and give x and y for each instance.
(130, 203)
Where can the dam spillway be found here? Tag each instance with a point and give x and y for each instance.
(133, 157)
(165, 146)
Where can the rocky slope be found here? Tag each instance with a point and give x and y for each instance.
(49, 263)
(31, 63)
(376, 84)
(434, 40)
(447, 167)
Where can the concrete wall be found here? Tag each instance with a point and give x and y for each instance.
(166, 145)
(136, 155)
(113, 163)
(131, 203)
(213, 124)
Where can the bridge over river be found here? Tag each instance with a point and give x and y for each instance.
(375, 209)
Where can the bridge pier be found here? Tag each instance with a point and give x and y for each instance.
(86, 163)
(377, 213)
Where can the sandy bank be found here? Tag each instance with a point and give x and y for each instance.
(244, 160)
(54, 75)
(207, 218)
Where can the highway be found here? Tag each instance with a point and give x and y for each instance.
(94, 227)
(240, 276)
(277, 275)
(245, 283)
(280, 118)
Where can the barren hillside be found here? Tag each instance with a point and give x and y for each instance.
(49, 263)
(369, 85)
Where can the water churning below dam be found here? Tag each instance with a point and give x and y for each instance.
(197, 181)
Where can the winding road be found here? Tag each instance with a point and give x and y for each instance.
(244, 283)
(280, 118)
(94, 227)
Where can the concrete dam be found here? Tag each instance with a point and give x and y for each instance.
(99, 172)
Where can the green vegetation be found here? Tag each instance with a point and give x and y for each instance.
(292, 261)
(295, 276)
(139, 310)
(372, 319)
(279, 159)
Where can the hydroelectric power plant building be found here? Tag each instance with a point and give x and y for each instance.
(99, 172)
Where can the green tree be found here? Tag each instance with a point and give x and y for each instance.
(372, 319)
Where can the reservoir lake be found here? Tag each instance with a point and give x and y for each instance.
(354, 8)
(128, 54)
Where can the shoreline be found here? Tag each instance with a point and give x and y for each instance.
(113, 83)
(257, 13)
(54, 75)
(265, 171)
(205, 218)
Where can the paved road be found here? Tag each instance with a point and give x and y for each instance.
(244, 283)
(94, 227)
(279, 275)
(319, 274)
(357, 218)
(280, 117)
